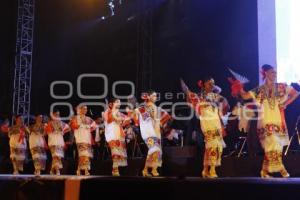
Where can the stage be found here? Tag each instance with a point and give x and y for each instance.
(180, 179)
(80, 187)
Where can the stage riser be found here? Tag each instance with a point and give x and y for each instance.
(45, 188)
(191, 189)
(20, 188)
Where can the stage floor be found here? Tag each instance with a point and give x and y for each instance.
(88, 187)
(181, 180)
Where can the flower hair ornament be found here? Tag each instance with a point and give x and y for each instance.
(145, 97)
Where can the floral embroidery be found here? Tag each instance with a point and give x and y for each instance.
(150, 142)
(270, 129)
(56, 150)
(18, 151)
(38, 150)
(118, 152)
(273, 161)
(212, 156)
(154, 159)
(211, 135)
(117, 144)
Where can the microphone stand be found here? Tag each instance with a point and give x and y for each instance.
(295, 133)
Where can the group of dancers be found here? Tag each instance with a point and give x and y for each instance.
(147, 116)
(271, 98)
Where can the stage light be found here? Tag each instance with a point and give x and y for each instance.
(112, 4)
(112, 7)
(288, 40)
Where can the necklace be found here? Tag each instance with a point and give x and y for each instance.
(82, 118)
(270, 94)
(38, 128)
(210, 99)
(151, 109)
(57, 126)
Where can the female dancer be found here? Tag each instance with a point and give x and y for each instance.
(17, 142)
(83, 126)
(115, 135)
(151, 118)
(38, 145)
(271, 98)
(209, 107)
(55, 130)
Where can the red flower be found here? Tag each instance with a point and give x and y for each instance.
(270, 128)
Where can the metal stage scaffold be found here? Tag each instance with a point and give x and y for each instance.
(23, 58)
(144, 45)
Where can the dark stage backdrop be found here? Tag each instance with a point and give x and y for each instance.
(7, 52)
(191, 39)
(194, 39)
